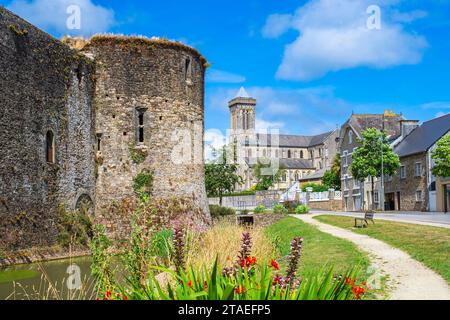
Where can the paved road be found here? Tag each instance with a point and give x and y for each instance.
(424, 218)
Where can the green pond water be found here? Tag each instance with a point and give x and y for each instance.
(32, 281)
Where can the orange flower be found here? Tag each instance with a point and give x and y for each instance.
(190, 284)
(275, 265)
(240, 290)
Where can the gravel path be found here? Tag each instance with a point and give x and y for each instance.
(408, 279)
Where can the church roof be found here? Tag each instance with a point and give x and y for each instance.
(293, 164)
(290, 141)
(242, 93)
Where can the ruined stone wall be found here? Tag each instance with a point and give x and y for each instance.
(44, 85)
(163, 82)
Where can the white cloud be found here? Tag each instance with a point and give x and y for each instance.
(436, 105)
(214, 140)
(52, 15)
(219, 76)
(264, 126)
(276, 25)
(334, 36)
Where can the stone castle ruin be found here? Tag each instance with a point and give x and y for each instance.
(80, 119)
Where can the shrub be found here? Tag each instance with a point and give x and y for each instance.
(315, 186)
(218, 211)
(290, 206)
(280, 209)
(302, 209)
(143, 183)
(75, 227)
(260, 209)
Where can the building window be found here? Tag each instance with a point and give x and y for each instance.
(187, 70)
(289, 154)
(50, 146)
(99, 142)
(418, 169)
(301, 154)
(376, 197)
(419, 196)
(140, 125)
(402, 172)
(350, 137)
(344, 159)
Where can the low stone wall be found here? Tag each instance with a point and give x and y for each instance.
(234, 202)
(261, 220)
(327, 205)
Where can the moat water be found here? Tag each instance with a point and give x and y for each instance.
(48, 280)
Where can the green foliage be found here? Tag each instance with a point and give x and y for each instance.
(332, 180)
(441, 157)
(240, 194)
(218, 211)
(302, 209)
(75, 227)
(101, 268)
(266, 175)
(260, 209)
(137, 155)
(315, 186)
(366, 160)
(143, 183)
(279, 209)
(221, 177)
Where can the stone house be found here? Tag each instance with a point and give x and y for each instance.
(301, 156)
(356, 194)
(414, 188)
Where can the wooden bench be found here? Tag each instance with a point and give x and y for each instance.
(365, 221)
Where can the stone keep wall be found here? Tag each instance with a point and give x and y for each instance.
(164, 82)
(44, 85)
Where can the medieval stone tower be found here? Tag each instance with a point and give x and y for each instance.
(80, 120)
(243, 114)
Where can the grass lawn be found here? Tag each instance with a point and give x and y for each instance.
(429, 245)
(318, 248)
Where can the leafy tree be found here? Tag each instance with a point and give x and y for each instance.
(441, 157)
(332, 180)
(366, 160)
(221, 177)
(267, 175)
(332, 177)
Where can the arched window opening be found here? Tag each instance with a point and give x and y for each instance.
(50, 147)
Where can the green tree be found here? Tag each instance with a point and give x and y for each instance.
(332, 180)
(267, 174)
(221, 177)
(332, 177)
(366, 160)
(441, 157)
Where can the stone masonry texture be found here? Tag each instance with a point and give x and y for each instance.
(117, 106)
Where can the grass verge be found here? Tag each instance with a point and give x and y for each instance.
(429, 245)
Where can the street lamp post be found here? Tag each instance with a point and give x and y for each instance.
(381, 198)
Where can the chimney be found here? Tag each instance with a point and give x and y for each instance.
(407, 126)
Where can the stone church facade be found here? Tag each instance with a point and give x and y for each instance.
(304, 158)
(79, 119)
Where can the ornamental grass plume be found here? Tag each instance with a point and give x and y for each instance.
(178, 249)
(294, 259)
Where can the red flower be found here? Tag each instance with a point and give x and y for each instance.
(240, 290)
(190, 284)
(275, 265)
(125, 298)
(276, 280)
(108, 294)
(206, 285)
(358, 292)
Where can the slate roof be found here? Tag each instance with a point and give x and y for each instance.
(287, 163)
(242, 93)
(424, 137)
(290, 141)
(361, 122)
(314, 176)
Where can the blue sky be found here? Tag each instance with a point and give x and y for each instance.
(308, 63)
